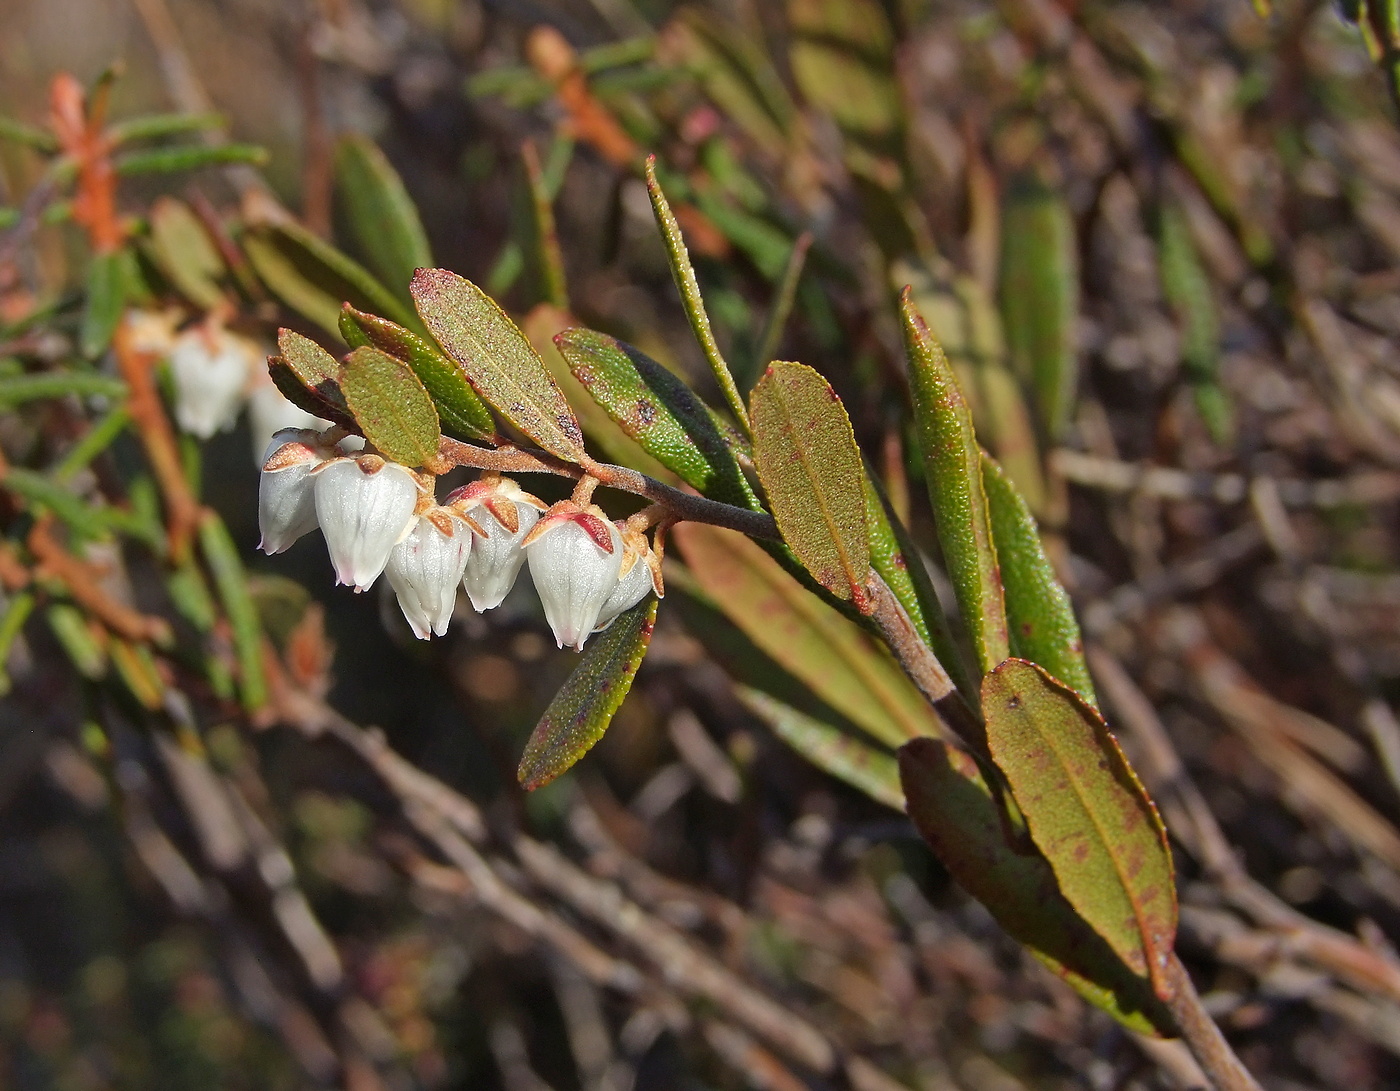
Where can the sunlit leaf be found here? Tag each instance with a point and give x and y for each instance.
(497, 359)
(189, 157)
(380, 212)
(391, 406)
(1087, 812)
(185, 253)
(842, 59)
(584, 706)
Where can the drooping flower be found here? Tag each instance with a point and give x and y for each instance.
(638, 576)
(365, 505)
(575, 555)
(505, 514)
(286, 493)
(211, 368)
(425, 569)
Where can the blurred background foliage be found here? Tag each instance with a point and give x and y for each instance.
(1159, 243)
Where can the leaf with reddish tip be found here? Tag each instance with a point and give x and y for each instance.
(807, 459)
(949, 800)
(582, 709)
(1087, 812)
(393, 410)
(953, 467)
(497, 359)
(1040, 619)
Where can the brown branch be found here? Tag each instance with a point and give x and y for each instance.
(1203, 1037)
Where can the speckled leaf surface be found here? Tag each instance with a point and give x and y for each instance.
(393, 410)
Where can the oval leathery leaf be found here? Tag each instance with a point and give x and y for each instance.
(874, 772)
(391, 406)
(185, 252)
(953, 467)
(841, 664)
(950, 803)
(380, 212)
(309, 377)
(1087, 813)
(585, 704)
(1040, 619)
(285, 379)
(460, 410)
(806, 456)
(659, 411)
(497, 359)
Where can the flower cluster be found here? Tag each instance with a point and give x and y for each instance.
(380, 517)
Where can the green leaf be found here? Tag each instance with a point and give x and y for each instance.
(78, 639)
(106, 299)
(1087, 812)
(841, 664)
(313, 278)
(296, 392)
(189, 157)
(584, 706)
(1040, 618)
(956, 813)
(231, 582)
(380, 212)
(872, 771)
(391, 405)
(841, 59)
(806, 456)
(664, 416)
(460, 410)
(155, 126)
(41, 140)
(1040, 298)
(953, 468)
(498, 360)
(185, 253)
(12, 618)
(309, 376)
(16, 389)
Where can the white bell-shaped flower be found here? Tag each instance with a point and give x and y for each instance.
(638, 577)
(575, 556)
(365, 505)
(211, 369)
(505, 514)
(425, 569)
(269, 412)
(286, 493)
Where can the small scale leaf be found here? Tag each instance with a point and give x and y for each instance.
(380, 212)
(1086, 811)
(106, 298)
(313, 278)
(659, 411)
(582, 709)
(497, 359)
(874, 772)
(1040, 618)
(953, 467)
(393, 409)
(807, 459)
(460, 410)
(841, 664)
(956, 813)
(185, 253)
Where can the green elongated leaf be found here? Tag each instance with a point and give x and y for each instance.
(70, 626)
(460, 410)
(309, 376)
(12, 618)
(41, 140)
(106, 298)
(841, 58)
(957, 814)
(653, 407)
(154, 126)
(874, 772)
(17, 389)
(391, 405)
(953, 467)
(231, 583)
(1040, 618)
(136, 667)
(1040, 298)
(497, 359)
(94, 441)
(841, 664)
(189, 157)
(313, 278)
(584, 706)
(806, 456)
(185, 253)
(1087, 813)
(380, 212)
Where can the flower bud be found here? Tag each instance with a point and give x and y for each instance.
(639, 576)
(365, 506)
(505, 514)
(210, 368)
(286, 496)
(575, 555)
(425, 569)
